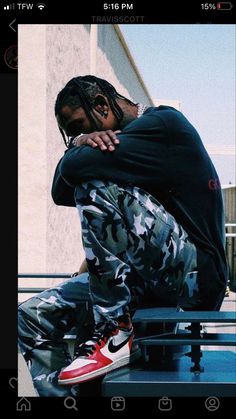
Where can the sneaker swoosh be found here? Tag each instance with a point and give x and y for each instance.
(114, 348)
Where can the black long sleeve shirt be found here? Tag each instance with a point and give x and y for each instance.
(162, 153)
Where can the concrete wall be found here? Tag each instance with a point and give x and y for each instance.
(50, 55)
(67, 52)
(32, 154)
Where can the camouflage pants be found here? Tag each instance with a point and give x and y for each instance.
(137, 254)
(133, 246)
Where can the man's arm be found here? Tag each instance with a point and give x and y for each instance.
(83, 269)
(133, 162)
(85, 163)
(62, 192)
(138, 159)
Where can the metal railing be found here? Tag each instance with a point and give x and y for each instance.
(230, 252)
(27, 290)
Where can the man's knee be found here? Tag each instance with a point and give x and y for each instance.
(95, 191)
(27, 307)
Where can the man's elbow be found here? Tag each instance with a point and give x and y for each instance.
(67, 172)
(61, 193)
(66, 199)
(56, 197)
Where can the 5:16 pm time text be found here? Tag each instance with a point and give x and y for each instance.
(118, 6)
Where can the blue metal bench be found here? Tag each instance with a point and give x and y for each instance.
(176, 377)
(194, 337)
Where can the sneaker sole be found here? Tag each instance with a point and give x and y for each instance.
(120, 363)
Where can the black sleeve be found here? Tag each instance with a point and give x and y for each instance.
(85, 163)
(138, 159)
(62, 193)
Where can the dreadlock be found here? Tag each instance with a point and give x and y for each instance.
(81, 92)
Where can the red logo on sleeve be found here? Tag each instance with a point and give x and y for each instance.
(214, 184)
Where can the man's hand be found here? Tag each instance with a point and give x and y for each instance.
(83, 268)
(105, 140)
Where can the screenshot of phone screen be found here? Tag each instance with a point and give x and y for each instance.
(170, 59)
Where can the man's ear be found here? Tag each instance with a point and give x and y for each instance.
(101, 105)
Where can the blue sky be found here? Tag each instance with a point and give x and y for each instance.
(194, 64)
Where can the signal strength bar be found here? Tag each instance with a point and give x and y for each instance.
(9, 7)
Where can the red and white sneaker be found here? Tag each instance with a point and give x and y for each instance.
(104, 352)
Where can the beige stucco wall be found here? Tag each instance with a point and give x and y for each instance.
(49, 236)
(32, 161)
(67, 52)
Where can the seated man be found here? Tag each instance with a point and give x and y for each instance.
(151, 211)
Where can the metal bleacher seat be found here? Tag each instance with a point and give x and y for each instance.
(171, 373)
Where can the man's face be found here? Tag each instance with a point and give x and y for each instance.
(76, 122)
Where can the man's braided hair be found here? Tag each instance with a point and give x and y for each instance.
(81, 92)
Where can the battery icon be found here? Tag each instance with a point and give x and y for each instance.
(225, 5)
